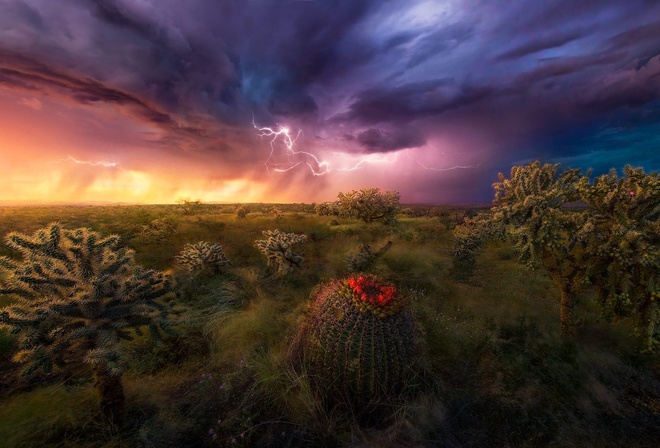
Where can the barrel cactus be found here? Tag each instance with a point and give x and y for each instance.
(358, 340)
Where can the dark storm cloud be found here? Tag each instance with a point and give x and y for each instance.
(438, 42)
(627, 90)
(565, 66)
(23, 72)
(539, 44)
(379, 140)
(411, 101)
(369, 76)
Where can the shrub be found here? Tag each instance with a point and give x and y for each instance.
(277, 212)
(158, 230)
(203, 257)
(241, 212)
(278, 250)
(358, 341)
(326, 209)
(469, 238)
(365, 259)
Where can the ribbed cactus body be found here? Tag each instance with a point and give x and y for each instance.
(359, 339)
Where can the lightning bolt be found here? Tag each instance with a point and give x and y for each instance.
(451, 168)
(317, 167)
(101, 163)
(284, 134)
(321, 167)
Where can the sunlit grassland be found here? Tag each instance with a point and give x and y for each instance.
(497, 372)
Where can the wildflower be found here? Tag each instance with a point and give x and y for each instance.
(370, 290)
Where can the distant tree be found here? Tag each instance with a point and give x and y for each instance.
(77, 296)
(189, 206)
(369, 204)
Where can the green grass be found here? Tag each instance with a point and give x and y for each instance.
(45, 416)
(497, 372)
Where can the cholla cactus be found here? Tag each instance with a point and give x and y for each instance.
(369, 205)
(469, 237)
(531, 204)
(358, 341)
(78, 294)
(623, 239)
(277, 212)
(327, 209)
(203, 257)
(610, 246)
(278, 249)
(365, 259)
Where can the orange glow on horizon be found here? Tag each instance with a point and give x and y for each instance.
(125, 186)
(46, 158)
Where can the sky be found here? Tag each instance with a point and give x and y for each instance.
(151, 101)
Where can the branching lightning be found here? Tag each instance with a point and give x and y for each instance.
(284, 133)
(317, 167)
(321, 167)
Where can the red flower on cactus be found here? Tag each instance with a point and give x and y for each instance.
(369, 290)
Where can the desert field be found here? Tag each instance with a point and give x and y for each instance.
(494, 370)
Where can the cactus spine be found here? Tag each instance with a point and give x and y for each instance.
(79, 294)
(203, 257)
(358, 340)
(278, 248)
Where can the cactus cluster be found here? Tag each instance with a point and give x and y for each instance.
(278, 248)
(202, 257)
(358, 340)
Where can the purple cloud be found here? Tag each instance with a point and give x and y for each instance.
(454, 81)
